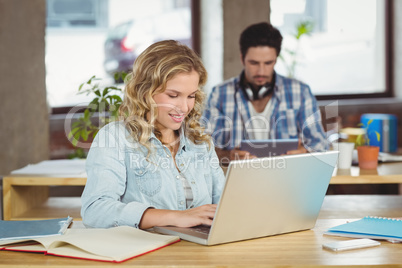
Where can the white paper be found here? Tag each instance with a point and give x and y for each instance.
(386, 157)
(60, 167)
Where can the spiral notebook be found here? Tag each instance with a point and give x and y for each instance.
(370, 227)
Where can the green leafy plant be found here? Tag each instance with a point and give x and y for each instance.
(363, 139)
(290, 56)
(103, 109)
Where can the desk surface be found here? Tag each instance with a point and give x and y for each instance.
(291, 250)
(300, 249)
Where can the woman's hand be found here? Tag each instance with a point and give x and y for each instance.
(181, 218)
(196, 216)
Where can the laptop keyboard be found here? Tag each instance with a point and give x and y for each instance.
(203, 229)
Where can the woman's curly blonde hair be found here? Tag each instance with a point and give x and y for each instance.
(159, 63)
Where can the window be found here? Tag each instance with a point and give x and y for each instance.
(345, 54)
(101, 37)
(76, 13)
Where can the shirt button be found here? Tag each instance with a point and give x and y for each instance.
(167, 155)
(181, 165)
(177, 177)
(140, 172)
(181, 203)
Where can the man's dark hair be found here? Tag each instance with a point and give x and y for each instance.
(260, 34)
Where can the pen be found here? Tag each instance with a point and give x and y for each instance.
(65, 224)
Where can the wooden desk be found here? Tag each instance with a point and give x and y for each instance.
(300, 249)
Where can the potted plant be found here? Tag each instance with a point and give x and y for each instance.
(367, 154)
(289, 56)
(103, 109)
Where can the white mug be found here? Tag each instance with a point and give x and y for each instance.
(345, 154)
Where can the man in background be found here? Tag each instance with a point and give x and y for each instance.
(261, 104)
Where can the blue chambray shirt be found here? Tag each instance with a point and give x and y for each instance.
(294, 114)
(122, 183)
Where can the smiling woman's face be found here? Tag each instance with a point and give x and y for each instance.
(176, 102)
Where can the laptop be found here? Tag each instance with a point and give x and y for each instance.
(265, 197)
(266, 148)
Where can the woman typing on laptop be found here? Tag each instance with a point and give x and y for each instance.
(156, 167)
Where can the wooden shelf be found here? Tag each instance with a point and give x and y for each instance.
(388, 173)
(27, 198)
(53, 207)
(45, 181)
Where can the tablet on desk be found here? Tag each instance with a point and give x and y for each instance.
(267, 148)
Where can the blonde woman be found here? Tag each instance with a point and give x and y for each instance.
(155, 167)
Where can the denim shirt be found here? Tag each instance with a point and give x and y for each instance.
(122, 182)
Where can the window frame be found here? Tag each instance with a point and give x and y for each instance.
(99, 17)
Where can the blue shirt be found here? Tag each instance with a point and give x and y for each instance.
(294, 114)
(122, 183)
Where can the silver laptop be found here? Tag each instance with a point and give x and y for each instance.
(264, 197)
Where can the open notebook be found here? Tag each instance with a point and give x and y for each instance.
(115, 244)
(266, 196)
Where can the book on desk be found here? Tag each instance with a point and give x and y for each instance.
(116, 244)
(20, 230)
(370, 227)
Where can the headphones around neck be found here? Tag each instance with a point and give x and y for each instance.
(254, 95)
(264, 91)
